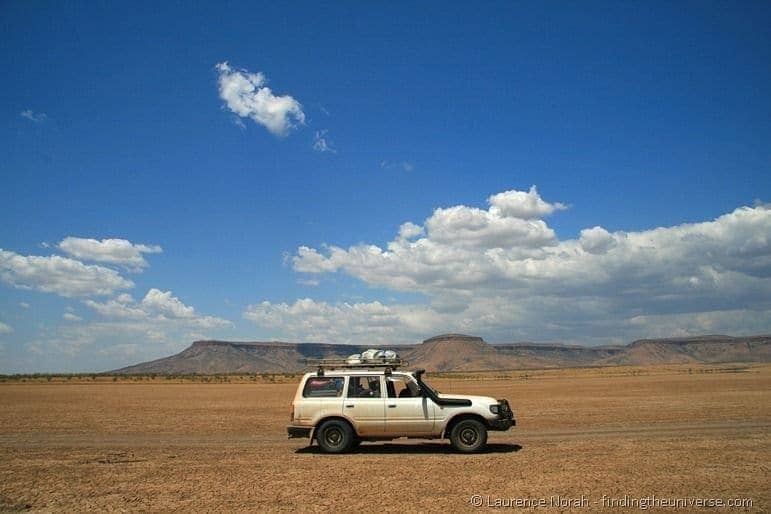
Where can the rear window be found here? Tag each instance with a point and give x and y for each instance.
(323, 387)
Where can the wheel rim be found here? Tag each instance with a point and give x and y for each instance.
(333, 436)
(469, 436)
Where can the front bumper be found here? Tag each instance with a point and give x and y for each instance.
(295, 431)
(501, 424)
(505, 418)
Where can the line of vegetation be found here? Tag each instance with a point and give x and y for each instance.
(81, 378)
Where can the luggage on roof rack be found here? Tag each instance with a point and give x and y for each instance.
(388, 361)
(346, 363)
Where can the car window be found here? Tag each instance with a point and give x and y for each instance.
(401, 387)
(364, 387)
(323, 387)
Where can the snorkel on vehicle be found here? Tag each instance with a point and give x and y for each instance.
(427, 391)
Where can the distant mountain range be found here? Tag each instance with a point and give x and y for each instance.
(458, 352)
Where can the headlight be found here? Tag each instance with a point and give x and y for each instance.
(495, 409)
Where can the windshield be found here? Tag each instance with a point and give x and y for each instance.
(426, 385)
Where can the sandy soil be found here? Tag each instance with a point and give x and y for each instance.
(621, 433)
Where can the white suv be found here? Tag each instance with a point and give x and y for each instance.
(340, 408)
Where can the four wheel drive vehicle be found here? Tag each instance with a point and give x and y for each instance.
(342, 406)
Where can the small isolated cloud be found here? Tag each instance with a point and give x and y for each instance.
(112, 251)
(398, 165)
(321, 142)
(246, 95)
(68, 316)
(60, 275)
(35, 117)
(5, 329)
(24, 305)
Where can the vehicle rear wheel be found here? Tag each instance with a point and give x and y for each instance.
(335, 436)
(468, 436)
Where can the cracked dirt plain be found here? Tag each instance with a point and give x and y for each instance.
(155, 445)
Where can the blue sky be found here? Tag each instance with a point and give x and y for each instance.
(646, 130)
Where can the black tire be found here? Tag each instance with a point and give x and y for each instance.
(335, 436)
(468, 436)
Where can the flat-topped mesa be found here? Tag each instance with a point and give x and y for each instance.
(454, 338)
(457, 352)
(706, 339)
(215, 342)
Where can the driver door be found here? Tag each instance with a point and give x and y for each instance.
(408, 413)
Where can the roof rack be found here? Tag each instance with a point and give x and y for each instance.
(339, 363)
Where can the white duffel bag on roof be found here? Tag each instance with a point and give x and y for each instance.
(378, 355)
(369, 355)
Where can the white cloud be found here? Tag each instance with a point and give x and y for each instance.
(36, 117)
(5, 329)
(309, 320)
(160, 307)
(596, 240)
(24, 305)
(519, 204)
(149, 329)
(167, 304)
(471, 227)
(403, 165)
(112, 251)
(142, 330)
(321, 142)
(246, 95)
(507, 274)
(410, 230)
(116, 309)
(59, 275)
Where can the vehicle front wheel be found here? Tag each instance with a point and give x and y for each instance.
(468, 436)
(335, 436)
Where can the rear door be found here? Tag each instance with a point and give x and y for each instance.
(364, 404)
(321, 397)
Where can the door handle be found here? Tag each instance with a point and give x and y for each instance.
(350, 406)
(391, 405)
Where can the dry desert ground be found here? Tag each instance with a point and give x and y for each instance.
(587, 440)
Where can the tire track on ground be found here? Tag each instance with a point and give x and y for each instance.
(95, 440)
